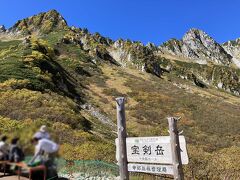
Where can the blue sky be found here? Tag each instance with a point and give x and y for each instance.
(144, 20)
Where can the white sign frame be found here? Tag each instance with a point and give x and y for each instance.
(159, 150)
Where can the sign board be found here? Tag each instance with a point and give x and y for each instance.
(151, 168)
(152, 149)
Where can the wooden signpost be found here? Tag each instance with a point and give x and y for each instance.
(176, 150)
(122, 134)
(157, 155)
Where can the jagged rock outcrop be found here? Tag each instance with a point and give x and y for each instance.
(121, 52)
(152, 47)
(41, 23)
(128, 52)
(204, 76)
(2, 29)
(198, 46)
(233, 48)
(135, 54)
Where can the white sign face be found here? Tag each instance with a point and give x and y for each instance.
(152, 149)
(151, 168)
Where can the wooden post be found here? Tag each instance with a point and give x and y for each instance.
(121, 124)
(176, 151)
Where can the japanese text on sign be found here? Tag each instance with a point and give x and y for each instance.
(150, 168)
(153, 149)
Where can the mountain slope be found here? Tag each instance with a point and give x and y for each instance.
(68, 78)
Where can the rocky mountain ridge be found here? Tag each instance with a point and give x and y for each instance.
(195, 45)
(199, 47)
(220, 62)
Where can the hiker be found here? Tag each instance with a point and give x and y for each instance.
(4, 149)
(45, 151)
(16, 154)
(42, 133)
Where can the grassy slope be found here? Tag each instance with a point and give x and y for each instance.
(210, 118)
(206, 113)
(33, 96)
(37, 89)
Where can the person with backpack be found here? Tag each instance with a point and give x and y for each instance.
(15, 154)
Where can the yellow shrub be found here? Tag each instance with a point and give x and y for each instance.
(14, 84)
(8, 125)
(89, 150)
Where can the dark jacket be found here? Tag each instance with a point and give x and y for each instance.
(16, 154)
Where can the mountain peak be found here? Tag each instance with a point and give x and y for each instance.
(198, 45)
(54, 15)
(197, 34)
(40, 23)
(195, 30)
(53, 11)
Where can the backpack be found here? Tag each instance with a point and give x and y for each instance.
(16, 154)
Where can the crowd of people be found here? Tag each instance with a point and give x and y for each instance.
(45, 149)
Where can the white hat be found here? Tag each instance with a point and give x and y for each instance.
(38, 135)
(43, 128)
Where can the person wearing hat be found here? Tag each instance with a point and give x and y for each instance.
(45, 152)
(42, 133)
(43, 147)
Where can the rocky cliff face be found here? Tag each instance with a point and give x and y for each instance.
(125, 53)
(135, 54)
(233, 48)
(198, 46)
